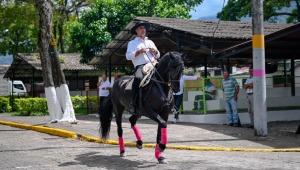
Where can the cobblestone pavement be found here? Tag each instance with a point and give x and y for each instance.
(24, 149)
(280, 134)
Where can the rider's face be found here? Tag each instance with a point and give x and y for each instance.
(141, 31)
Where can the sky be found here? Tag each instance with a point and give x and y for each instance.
(207, 9)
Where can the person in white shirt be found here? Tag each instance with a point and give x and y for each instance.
(104, 87)
(140, 51)
(179, 95)
(249, 89)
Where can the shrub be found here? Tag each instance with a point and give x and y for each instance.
(4, 105)
(31, 106)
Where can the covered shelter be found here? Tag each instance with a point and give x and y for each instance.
(200, 39)
(27, 68)
(281, 45)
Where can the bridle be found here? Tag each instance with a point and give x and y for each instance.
(171, 73)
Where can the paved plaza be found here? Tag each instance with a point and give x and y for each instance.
(89, 155)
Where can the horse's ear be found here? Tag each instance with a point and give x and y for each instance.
(171, 55)
(183, 55)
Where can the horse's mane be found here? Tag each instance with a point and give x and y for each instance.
(173, 57)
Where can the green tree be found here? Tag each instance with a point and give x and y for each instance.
(18, 23)
(106, 18)
(236, 9)
(63, 12)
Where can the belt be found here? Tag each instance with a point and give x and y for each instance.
(136, 67)
(249, 93)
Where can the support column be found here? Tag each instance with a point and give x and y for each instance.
(259, 72)
(284, 72)
(293, 87)
(205, 68)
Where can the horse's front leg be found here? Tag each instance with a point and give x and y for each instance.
(133, 119)
(161, 139)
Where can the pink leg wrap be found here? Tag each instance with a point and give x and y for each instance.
(137, 132)
(164, 136)
(157, 152)
(121, 144)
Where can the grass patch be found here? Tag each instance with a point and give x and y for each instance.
(80, 111)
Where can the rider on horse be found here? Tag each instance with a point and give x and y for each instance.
(140, 51)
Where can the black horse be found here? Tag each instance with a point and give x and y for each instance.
(156, 102)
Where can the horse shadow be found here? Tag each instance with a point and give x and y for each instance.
(95, 160)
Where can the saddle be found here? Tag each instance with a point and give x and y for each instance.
(148, 71)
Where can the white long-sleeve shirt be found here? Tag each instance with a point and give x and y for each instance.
(182, 79)
(136, 44)
(105, 92)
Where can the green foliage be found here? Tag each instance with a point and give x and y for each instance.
(236, 9)
(4, 105)
(38, 106)
(18, 27)
(61, 59)
(30, 106)
(78, 102)
(107, 18)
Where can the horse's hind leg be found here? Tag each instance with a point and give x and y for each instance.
(133, 119)
(118, 113)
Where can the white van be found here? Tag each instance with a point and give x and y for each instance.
(17, 89)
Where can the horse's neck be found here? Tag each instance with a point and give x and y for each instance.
(162, 76)
(162, 80)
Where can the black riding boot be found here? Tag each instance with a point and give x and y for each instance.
(134, 97)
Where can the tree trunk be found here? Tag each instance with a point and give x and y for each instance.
(53, 102)
(61, 37)
(62, 89)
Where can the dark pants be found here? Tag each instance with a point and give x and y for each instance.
(104, 104)
(138, 76)
(177, 102)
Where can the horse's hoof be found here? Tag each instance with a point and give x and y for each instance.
(122, 154)
(161, 147)
(139, 144)
(162, 160)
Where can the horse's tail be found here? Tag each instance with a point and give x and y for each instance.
(105, 116)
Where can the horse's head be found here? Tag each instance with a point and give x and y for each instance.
(171, 67)
(176, 68)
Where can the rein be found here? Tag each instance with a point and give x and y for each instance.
(168, 98)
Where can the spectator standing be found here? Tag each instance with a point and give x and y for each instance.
(179, 95)
(249, 89)
(116, 77)
(104, 87)
(231, 89)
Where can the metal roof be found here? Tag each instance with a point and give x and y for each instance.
(196, 37)
(282, 44)
(27, 64)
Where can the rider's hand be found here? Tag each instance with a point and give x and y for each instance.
(143, 50)
(153, 51)
(140, 51)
